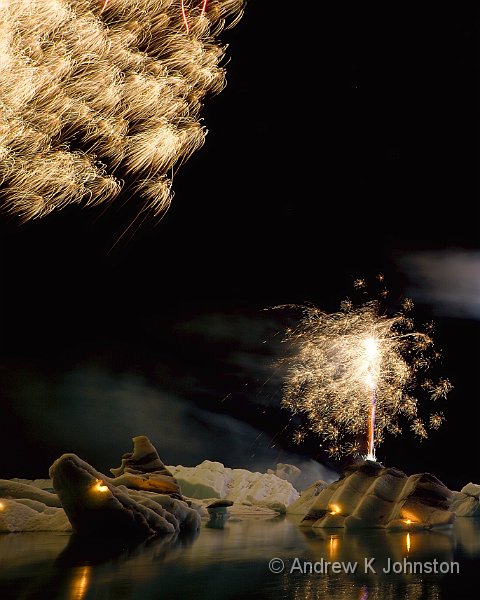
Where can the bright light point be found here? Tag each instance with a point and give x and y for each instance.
(334, 509)
(2, 505)
(408, 542)
(371, 456)
(372, 355)
(99, 487)
(371, 347)
(408, 521)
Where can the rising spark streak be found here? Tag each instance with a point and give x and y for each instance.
(100, 96)
(371, 351)
(184, 17)
(184, 13)
(371, 427)
(354, 374)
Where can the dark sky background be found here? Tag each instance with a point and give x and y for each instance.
(345, 144)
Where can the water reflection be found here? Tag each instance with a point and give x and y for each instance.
(232, 562)
(217, 520)
(80, 580)
(385, 547)
(468, 536)
(80, 551)
(449, 546)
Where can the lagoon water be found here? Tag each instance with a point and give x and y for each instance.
(247, 558)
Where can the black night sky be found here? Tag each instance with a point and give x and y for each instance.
(344, 144)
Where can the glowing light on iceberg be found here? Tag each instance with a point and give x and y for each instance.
(99, 486)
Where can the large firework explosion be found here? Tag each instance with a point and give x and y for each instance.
(98, 95)
(355, 373)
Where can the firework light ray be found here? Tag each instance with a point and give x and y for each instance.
(371, 427)
(357, 373)
(100, 96)
(371, 351)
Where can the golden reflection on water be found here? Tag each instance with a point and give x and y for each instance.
(79, 582)
(333, 546)
(354, 546)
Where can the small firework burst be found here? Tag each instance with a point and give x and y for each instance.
(436, 420)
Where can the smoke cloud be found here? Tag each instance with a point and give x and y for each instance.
(95, 413)
(449, 280)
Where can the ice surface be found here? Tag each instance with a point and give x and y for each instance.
(466, 503)
(213, 480)
(142, 469)
(471, 489)
(370, 495)
(30, 515)
(285, 471)
(10, 488)
(302, 505)
(96, 507)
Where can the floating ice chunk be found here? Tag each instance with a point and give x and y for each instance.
(186, 516)
(18, 515)
(471, 489)
(97, 508)
(206, 480)
(285, 471)
(466, 503)
(214, 480)
(302, 505)
(142, 469)
(10, 488)
(370, 495)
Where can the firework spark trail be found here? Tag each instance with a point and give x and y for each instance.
(184, 16)
(355, 372)
(372, 359)
(97, 96)
(371, 426)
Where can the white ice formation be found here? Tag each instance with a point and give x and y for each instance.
(466, 502)
(213, 480)
(307, 498)
(285, 471)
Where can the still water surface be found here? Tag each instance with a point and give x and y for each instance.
(233, 562)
